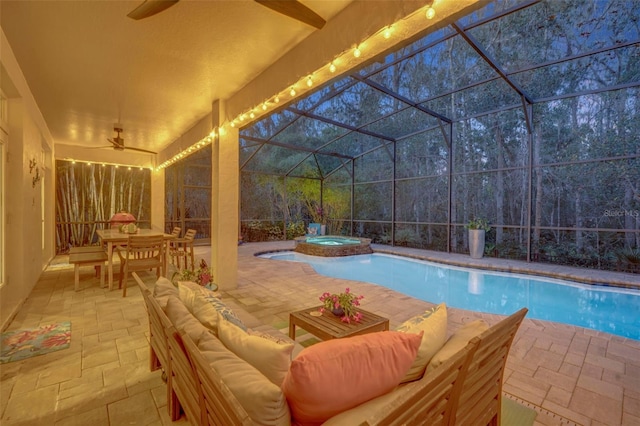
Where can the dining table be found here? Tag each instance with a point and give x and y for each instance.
(115, 238)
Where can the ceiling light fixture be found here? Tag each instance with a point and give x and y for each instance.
(357, 52)
(332, 68)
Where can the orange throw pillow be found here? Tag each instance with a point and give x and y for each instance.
(333, 376)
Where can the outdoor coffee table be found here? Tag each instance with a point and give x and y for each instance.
(328, 326)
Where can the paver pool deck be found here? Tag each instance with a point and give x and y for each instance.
(569, 375)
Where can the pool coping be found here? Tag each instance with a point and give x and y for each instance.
(580, 275)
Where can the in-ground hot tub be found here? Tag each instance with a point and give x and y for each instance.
(333, 245)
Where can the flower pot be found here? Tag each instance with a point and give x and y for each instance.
(476, 243)
(339, 312)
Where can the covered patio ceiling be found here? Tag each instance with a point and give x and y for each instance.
(89, 65)
(477, 65)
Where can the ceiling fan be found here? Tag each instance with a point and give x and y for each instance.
(118, 142)
(291, 8)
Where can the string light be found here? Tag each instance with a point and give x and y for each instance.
(413, 20)
(218, 131)
(431, 13)
(91, 163)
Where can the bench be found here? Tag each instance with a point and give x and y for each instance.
(464, 390)
(81, 256)
(88, 249)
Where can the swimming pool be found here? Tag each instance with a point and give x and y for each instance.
(608, 309)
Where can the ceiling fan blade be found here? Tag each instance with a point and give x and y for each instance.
(296, 10)
(117, 143)
(139, 150)
(150, 8)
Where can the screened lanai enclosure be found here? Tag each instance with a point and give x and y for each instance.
(524, 113)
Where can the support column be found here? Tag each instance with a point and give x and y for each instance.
(225, 189)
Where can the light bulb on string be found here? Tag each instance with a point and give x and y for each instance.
(357, 52)
(431, 12)
(332, 68)
(292, 92)
(309, 81)
(387, 32)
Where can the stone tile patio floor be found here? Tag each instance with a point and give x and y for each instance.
(568, 374)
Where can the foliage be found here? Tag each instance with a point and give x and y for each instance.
(631, 257)
(347, 301)
(406, 237)
(559, 172)
(201, 276)
(295, 229)
(478, 223)
(261, 231)
(88, 195)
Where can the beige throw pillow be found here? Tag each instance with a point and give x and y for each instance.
(433, 323)
(206, 309)
(270, 358)
(457, 341)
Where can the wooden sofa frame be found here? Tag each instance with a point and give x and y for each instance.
(464, 390)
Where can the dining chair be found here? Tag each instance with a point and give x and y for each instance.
(183, 248)
(140, 254)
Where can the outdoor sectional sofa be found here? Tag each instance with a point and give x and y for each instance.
(212, 384)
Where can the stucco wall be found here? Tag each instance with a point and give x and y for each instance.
(29, 244)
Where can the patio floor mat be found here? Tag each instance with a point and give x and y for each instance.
(17, 345)
(516, 414)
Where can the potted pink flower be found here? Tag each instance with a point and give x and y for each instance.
(342, 305)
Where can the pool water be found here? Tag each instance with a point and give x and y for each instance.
(609, 309)
(331, 241)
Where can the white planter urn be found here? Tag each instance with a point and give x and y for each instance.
(476, 243)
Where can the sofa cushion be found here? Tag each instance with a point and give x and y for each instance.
(162, 290)
(183, 320)
(264, 402)
(206, 309)
(197, 288)
(457, 341)
(270, 358)
(336, 375)
(433, 323)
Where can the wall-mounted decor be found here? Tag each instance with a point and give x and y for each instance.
(33, 165)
